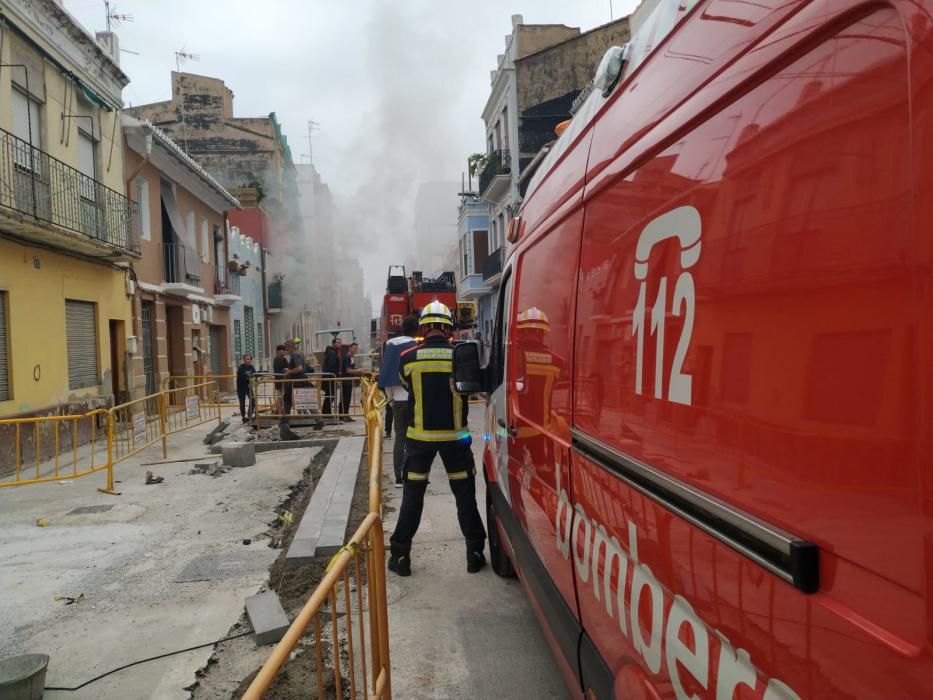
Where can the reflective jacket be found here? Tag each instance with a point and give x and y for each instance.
(437, 413)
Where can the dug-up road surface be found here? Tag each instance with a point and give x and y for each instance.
(159, 568)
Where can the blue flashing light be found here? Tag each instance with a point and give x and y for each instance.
(486, 437)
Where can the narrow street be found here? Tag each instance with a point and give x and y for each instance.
(454, 634)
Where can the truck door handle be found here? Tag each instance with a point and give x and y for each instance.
(508, 428)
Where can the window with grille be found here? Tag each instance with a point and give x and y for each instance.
(250, 330)
(81, 342)
(4, 350)
(259, 339)
(237, 340)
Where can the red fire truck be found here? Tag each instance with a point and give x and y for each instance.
(408, 295)
(709, 451)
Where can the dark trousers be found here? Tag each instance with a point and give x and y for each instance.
(400, 419)
(330, 392)
(243, 393)
(388, 421)
(461, 472)
(346, 396)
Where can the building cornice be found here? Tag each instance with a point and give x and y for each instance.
(63, 38)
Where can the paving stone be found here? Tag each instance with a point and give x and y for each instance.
(238, 454)
(267, 616)
(324, 524)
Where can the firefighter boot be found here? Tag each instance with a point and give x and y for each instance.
(400, 561)
(476, 560)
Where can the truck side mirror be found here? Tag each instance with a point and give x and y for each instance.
(468, 371)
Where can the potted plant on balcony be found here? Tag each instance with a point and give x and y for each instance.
(234, 265)
(243, 268)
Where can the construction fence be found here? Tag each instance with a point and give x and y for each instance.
(54, 448)
(347, 613)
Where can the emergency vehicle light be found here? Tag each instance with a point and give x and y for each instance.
(512, 235)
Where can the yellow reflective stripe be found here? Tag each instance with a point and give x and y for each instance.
(428, 366)
(458, 476)
(418, 418)
(416, 476)
(458, 411)
(435, 354)
(417, 433)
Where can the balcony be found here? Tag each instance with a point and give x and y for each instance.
(496, 176)
(177, 260)
(44, 200)
(275, 298)
(492, 268)
(472, 286)
(226, 286)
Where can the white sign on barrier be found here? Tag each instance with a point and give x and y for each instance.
(139, 427)
(304, 399)
(192, 408)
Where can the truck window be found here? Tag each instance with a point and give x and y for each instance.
(501, 337)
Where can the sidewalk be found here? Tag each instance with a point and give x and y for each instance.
(454, 634)
(161, 567)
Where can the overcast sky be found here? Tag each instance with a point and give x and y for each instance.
(396, 87)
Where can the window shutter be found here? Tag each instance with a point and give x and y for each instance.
(22, 55)
(4, 351)
(81, 333)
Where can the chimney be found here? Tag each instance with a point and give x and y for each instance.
(109, 42)
(517, 20)
(248, 196)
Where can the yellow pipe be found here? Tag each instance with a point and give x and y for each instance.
(18, 451)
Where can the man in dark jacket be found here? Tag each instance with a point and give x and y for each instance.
(244, 373)
(391, 385)
(332, 367)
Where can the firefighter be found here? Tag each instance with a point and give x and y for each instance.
(437, 424)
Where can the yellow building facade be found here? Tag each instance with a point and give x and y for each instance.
(68, 232)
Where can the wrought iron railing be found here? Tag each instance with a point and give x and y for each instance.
(493, 264)
(497, 163)
(34, 183)
(178, 264)
(226, 282)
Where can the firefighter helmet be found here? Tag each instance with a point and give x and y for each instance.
(533, 318)
(436, 313)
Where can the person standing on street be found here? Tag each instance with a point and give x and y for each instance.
(391, 384)
(279, 365)
(349, 369)
(244, 373)
(295, 371)
(331, 367)
(438, 425)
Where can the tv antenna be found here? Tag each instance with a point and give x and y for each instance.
(182, 57)
(114, 18)
(312, 127)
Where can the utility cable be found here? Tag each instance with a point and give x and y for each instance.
(151, 658)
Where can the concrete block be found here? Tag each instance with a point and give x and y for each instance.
(219, 429)
(267, 616)
(238, 454)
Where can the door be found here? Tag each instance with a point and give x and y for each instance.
(117, 361)
(81, 341)
(148, 339)
(217, 338)
(175, 337)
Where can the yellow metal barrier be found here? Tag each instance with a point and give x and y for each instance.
(189, 406)
(226, 385)
(136, 425)
(372, 630)
(53, 448)
(325, 392)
